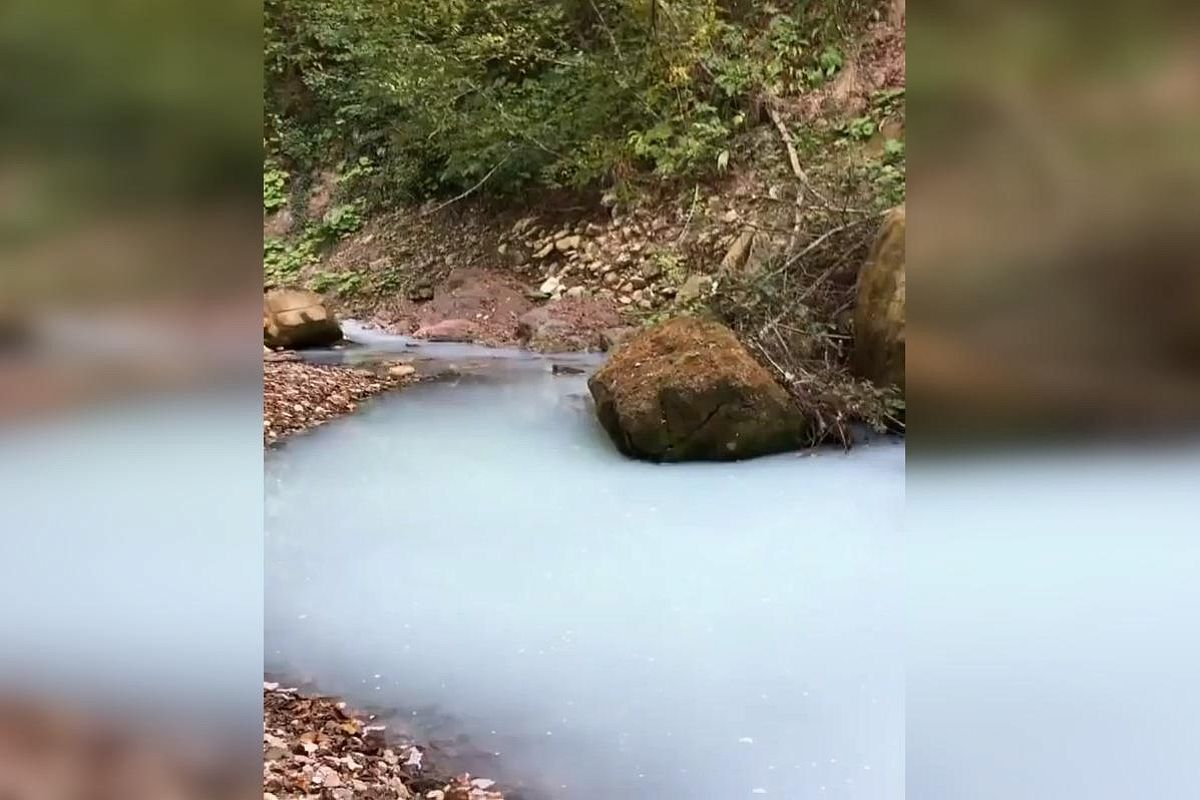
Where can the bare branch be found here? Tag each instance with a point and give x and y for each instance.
(608, 30)
(794, 157)
(470, 191)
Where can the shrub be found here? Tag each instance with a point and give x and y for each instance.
(439, 95)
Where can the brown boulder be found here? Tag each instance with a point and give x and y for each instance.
(879, 307)
(572, 324)
(687, 390)
(540, 330)
(297, 318)
(449, 330)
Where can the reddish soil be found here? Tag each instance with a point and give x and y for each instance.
(494, 303)
(491, 300)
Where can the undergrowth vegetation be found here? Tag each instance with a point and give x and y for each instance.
(794, 313)
(429, 97)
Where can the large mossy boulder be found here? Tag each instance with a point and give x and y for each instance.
(879, 307)
(687, 390)
(297, 318)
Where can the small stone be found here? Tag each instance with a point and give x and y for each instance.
(645, 305)
(695, 287)
(544, 252)
(637, 282)
(730, 216)
(502, 249)
(577, 292)
(550, 286)
(566, 243)
(327, 777)
(625, 300)
(637, 295)
(611, 279)
(402, 370)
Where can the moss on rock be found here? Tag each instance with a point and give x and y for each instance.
(687, 390)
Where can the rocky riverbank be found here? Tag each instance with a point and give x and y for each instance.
(298, 396)
(316, 747)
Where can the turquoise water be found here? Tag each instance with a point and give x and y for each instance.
(478, 559)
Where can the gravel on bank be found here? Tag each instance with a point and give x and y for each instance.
(298, 396)
(316, 747)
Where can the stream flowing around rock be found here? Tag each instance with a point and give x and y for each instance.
(476, 557)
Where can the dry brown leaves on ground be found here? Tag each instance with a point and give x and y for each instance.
(298, 396)
(314, 747)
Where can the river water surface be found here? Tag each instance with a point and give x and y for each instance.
(476, 558)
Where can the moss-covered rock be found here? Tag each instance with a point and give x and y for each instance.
(879, 307)
(687, 390)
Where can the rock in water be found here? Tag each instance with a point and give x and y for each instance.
(687, 390)
(297, 318)
(402, 370)
(879, 307)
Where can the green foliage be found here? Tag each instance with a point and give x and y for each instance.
(344, 283)
(670, 265)
(275, 182)
(883, 175)
(424, 97)
(284, 260)
(341, 221)
(859, 129)
(793, 61)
